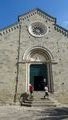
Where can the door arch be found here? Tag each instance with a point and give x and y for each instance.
(38, 56)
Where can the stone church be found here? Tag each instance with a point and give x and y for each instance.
(32, 49)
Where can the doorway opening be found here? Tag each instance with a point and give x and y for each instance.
(37, 74)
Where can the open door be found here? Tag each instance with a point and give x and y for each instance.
(37, 74)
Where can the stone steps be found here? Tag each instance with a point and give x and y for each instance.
(39, 101)
(43, 103)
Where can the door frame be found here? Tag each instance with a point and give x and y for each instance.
(49, 75)
(44, 71)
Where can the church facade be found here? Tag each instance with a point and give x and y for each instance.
(31, 50)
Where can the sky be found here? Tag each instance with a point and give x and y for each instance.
(11, 9)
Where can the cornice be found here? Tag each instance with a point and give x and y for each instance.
(60, 29)
(10, 28)
(36, 11)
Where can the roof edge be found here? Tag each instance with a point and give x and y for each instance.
(56, 26)
(36, 9)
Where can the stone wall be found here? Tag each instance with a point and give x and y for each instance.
(8, 68)
(55, 41)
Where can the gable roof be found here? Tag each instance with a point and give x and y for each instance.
(31, 13)
(38, 11)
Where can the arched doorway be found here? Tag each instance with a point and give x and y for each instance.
(39, 67)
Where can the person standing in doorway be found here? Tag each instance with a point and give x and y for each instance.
(44, 80)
